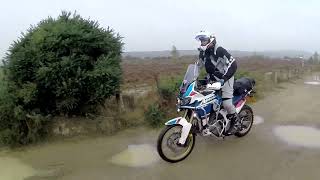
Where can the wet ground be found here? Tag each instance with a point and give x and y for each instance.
(282, 145)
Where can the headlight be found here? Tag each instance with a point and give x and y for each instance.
(185, 101)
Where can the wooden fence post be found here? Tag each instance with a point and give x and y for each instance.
(120, 103)
(275, 77)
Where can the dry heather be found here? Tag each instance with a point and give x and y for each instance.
(139, 71)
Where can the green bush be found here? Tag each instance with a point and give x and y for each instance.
(17, 125)
(7, 104)
(168, 88)
(68, 65)
(154, 115)
(1, 73)
(65, 64)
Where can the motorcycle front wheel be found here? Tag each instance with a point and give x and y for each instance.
(168, 147)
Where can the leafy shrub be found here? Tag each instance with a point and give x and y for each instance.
(168, 88)
(7, 104)
(154, 115)
(65, 64)
(68, 65)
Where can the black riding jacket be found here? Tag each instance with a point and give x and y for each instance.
(218, 63)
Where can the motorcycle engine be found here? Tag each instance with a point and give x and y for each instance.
(215, 123)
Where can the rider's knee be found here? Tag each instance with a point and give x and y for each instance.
(228, 106)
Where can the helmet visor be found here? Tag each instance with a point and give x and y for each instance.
(203, 39)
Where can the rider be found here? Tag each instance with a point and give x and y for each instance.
(221, 67)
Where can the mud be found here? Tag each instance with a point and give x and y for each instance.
(14, 169)
(269, 152)
(136, 156)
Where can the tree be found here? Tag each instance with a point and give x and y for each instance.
(316, 58)
(68, 65)
(174, 53)
(310, 60)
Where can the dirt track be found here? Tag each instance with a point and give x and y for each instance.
(260, 155)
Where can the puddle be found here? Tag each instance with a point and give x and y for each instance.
(46, 174)
(299, 135)
(312, 82)
(136, 156)
(258, 120)
(13, 169)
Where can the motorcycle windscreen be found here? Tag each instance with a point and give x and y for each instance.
(191, 75)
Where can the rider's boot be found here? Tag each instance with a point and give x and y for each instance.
(234, 124)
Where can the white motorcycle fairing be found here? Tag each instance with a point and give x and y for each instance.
(186, 126)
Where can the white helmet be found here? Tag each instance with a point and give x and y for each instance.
(205, 39)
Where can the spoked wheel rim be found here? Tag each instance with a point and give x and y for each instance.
(170, 147)
(246, 117)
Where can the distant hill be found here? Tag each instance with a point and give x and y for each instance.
(235, 53)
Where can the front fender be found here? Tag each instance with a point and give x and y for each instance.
(186, 126)
(173, 121)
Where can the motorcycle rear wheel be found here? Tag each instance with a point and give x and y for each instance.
(247, 114)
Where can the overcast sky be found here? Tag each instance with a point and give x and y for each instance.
(158, 24)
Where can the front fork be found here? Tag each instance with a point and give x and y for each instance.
(186, 126)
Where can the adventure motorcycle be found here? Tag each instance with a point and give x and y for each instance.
(203, 115)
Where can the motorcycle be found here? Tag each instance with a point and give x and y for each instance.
(203, 114)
